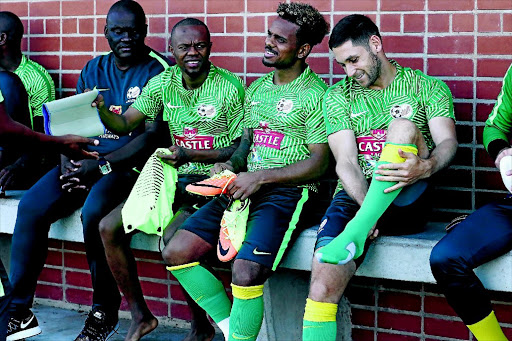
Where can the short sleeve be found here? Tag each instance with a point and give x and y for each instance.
(336, 111)
(150, 101)
(315, 124)
(439, 102)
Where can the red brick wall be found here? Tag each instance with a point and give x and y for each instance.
(466, 43)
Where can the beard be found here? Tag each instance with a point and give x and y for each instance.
(281, 64)
(374, 70)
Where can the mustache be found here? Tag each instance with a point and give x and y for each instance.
(269, 49)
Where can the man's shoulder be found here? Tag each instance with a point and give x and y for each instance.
(418, 76)
(32, 70)
(101, 60)
(341, 88)
(230, 79)
(159, 59)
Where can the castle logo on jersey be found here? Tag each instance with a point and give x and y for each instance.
(191, 140)
(132, 94)
(284, 106)
(266, 137)
(372, 144)
(403, 111)
(206, 110)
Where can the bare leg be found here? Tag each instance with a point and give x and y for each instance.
(122, 264)
(200, 328)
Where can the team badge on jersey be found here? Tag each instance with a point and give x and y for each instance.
(132, 93)
(206, 110)
(284, 106)
(403, 111)
(189, 132)
(116, 109)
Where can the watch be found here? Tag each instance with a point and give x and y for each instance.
(104, 166)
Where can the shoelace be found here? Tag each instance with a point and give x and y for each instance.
(95, 327)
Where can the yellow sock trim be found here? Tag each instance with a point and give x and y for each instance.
(183, 266)
(390, 152)
(488, 329)
(246, 293)
(320, 311)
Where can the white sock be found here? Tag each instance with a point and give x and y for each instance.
(224, 327)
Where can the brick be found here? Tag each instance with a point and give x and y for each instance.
(464, 157)
(54, 258)
(86, 26)
(51, 292)
(250, 79)
(451, 45)
(360, 295)
(77, 8)
(492, 67)
(455, 178)
(359, 6)
(157, 25)
(78, 279)
(438, 305)
(181, 312)
(483, 111)
(323, 47)
(75, 62)
(79, 296)
(52, 26)
(177, 293)
(483, 159)
(221, 6)
(488, 180)
(44, 8)
(74, 246)
(323, 5)
(319, 65)
(413, 63)
(494, 45)
(503, 313)
(458, 5)
(463, 111)
(158, 44)
(73, 260)
(414, 23)
(450, 67)
(399, 5)
(489, 22)
(463, 22)
(453, 199)
(464, 134)
(102, 45)
(69, 26)
(228, 44)
(234, 24)
(488, 89)
(77, 44)
(256, 24)
(151, 270)
(402, 322)
(216, 24)
(233, 64)
(507, 332)
(479, 133)
(102, 6)
(396, 337)
(398, 285)
(48, 62)
(461, 89)
(24, 44)
(53, 243)
(20, 8)
(494, 4)
(44, 44)
(51, 275)
(507, 22)
(158, 308)
(390, 22)
(154, 6)
(401, 301)
(37, 26)
(183, 7)
(446, 328)
(403, 44)
(153, 289)
(362, 335)
(262, 6)
(438, 22)
(362, 317)
(255, 44)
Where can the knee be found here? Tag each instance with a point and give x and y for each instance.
(247, 273)
(108, 231)
(321, 290)
(175, 253)
(444, 262)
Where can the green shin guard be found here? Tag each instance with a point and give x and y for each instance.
(319, 321)
(350, 243)
(247, 313)
(204, 288)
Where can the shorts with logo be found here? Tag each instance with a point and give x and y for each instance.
(184, 200)
(408, 214)
(277, 215)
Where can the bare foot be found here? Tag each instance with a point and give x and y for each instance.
(200, 335)
(140, 328)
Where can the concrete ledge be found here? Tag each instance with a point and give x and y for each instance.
(403, 258)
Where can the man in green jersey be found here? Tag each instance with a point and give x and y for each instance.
(482, 236)
(282, 152)
(25, 170)
(203, 106)
(383, 117)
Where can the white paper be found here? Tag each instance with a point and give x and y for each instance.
(73, 115)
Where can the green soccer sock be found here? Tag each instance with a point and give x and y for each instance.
(205, 289)
(247, 313)
(319, 321)
(350, 243)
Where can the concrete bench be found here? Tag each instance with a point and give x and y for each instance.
(402, 258)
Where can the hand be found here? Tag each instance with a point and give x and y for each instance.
(413, 169)
(99, 101)
(244, 185)
(504, 152)
(222, 166)
(82, 176)
(72, 146)
(7, 176)
(374, 233)
(176, 157)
